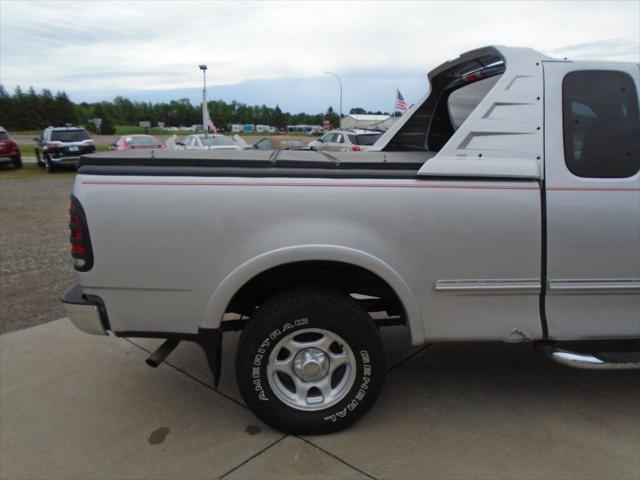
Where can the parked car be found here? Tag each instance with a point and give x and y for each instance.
(315, 131)
(279, 142)
(132, 142)
(9, 150)
(208, 141)
(62, 146)
(504, 206)
(346, 140)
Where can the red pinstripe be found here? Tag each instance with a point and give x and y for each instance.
(358, 185)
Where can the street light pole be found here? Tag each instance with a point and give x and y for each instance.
(340, 83)
(204, 96)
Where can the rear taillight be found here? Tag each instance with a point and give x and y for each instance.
(355, 148)
(79, 238)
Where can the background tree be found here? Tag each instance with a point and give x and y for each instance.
(34, 111)
(278, 119)
(334, 118)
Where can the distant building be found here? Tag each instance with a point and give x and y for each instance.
(376, 122)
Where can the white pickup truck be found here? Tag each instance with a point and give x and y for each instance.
(505, 205)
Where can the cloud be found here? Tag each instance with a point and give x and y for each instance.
(112, 47)
(613, 49)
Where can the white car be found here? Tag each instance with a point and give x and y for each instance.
(205, 141)
(351, 140)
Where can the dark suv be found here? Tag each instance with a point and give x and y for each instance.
(62, 146)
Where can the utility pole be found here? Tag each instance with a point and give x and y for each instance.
(340, 83)
(205, 111)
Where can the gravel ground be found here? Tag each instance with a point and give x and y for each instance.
(35, 264)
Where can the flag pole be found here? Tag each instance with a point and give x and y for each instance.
(395, 102)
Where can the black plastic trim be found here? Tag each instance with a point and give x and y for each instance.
(147, 334)
(154, 171)
(249, 172)
(543, 225)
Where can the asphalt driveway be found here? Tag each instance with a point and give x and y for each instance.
(80, 406)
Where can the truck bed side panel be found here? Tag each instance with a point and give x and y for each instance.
(470, 251)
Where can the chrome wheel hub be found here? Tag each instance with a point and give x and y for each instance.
(311, 369)
(311, 364)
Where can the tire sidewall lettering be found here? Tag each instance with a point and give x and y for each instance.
(360, 393)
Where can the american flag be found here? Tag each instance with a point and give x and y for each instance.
(401, 104)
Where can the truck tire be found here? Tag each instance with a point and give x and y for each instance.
(17, 162)
(310, 361)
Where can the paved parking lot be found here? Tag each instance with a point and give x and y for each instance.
(80, 406)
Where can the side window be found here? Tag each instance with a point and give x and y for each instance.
(600, 124)
(339, 138)
(328, 137)
(264, 144)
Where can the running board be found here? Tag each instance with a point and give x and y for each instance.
(593, 361)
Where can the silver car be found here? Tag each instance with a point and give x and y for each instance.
(206, 141)
(352, 140)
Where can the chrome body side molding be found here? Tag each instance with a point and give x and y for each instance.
(613, 285)
(525, 285)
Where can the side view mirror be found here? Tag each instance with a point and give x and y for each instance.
(320, 140)
(180, 143)
(36, 139)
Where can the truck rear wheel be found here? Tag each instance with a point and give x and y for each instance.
(310, 362)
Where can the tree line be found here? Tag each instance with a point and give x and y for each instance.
(31, 110)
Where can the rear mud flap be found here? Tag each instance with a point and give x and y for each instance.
(210, 340)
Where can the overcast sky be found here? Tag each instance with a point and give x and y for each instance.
(277, 52)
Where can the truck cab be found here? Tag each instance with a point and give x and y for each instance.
(575, 127)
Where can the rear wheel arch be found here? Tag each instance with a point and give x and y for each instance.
(305, 257)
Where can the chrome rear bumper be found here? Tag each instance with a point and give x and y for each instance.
(86, 315)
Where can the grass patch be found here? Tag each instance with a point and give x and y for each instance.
(135, 130)
(29, 149)
(32, 133)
